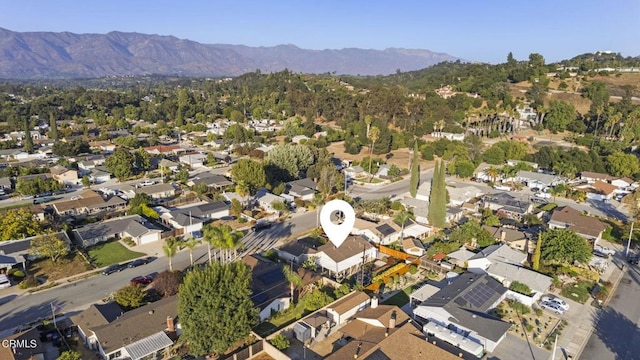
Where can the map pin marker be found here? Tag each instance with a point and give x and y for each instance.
(337, 232)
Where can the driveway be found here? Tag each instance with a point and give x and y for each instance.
(512, 347)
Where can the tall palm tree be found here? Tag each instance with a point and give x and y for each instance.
(317, 201)
(292, 277)
(231, 240)
(402, 217)
(374, 135)
(368, 119)
(191, 244)
(210, 236)
(243, 190)
(170, 249)
(493, 172)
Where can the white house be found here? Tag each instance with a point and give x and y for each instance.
(420, 208)
(461, 195)
(462, 307)
(528, 163)
(345, 308)
(266, 199)
(181, 220)
(136, 227)
(194, 160)
(346, 260)
(538, 180)
(413, 246)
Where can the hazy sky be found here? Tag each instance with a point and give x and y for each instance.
(477, 30)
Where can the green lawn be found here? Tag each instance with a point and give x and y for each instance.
(280, 320)
(110, 253)
(401, 298)
(548, 207)
(580, 291)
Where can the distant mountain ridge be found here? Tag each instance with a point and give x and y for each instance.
(34, 55)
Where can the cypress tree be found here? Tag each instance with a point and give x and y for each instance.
(433, 196)
(28, 141)
(536, 254)
(438, 197)
(415, 172)
(53, 133)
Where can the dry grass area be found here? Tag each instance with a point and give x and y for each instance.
(262, 356)
(72, 264)
(536, 327)
(399, 158)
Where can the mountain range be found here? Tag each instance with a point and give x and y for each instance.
(42, 55)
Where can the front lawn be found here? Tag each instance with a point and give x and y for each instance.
(579, 291)
(401, 298)
(69, 265)
(110, 253)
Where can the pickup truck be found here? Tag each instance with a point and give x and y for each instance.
(605, 250)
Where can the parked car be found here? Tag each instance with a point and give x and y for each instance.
(552, 306)
(261, 225)
(146, 183)
(599, 253)
(141, 280)
(605, 250)
(4, 281)
(112, 269)
(556, 300)
(138, 262)
(633, 259)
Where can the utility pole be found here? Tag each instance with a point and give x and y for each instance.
(626, 254)
(53, 312)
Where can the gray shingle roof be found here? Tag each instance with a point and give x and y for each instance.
(134, 225)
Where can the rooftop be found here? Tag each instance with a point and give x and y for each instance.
(349, 302)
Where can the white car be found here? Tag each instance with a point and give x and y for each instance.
(552, 306)
(554, 300)
(605, 250)
(4, 281)
(147, 183)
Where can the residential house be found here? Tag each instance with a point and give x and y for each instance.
(413, 246)
(480, 173)
(516, 239)
(538, 180)
(623, 183)
(230, 196)
(266, 199)
(104, 145)
(158, 191)
(384, 233)
(168, 166)
(424, 191)
(462, 308)
(420, 208)
(345, 308)
(461, 195)
(599, 190)
(11, 154)
(143, 333)
(532, 165)
(171, 150)
(18, 251)
(95, 316)
(195, 161)
(135, 227)
(449, 136)
(461, 257)
(506, 265)
(299, 138)
(592, 177)
(383, 170)
(384, 332)
(297, 251)
(364, 227)
(182, 220)
(453, 215)
(508, 204)
(25, 345)
(567, 217)
(414, 230)
(33, 177)
(346, 260)
(88, 202)
(212, 181)
(98, 176)
(208, 211)
(270, 288)
(354, 172)
(304, 189)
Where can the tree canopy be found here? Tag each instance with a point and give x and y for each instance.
(215, 308)
(564, 246)
(18, 224)
(250, 173)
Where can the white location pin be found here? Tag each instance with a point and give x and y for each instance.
(337, 232)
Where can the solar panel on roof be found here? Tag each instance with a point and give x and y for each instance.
(479, 295)
(385, 229)
(460, 301)
(271, 277)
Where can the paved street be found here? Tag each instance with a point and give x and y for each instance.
(15, 311)
(616, 334)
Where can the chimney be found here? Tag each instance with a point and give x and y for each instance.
(392, 320)
(374, 302)
(503, 235)
(170, 325)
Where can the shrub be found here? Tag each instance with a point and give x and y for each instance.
(280, 342)
(29, 281)
(397, 206)
(520, 288)
(129, 241)
(413, 269)
(519, 307)
(539, 312)
(17, 274)
(242, 220)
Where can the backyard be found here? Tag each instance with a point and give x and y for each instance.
(110, 253)
(401, 298)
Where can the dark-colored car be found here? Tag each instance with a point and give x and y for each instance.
(111, 269)
(261, 226)
(600, 254)
(138, 262)
(142, 280)
(633, 259)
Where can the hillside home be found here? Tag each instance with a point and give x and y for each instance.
(538, 180)
(136, 227)
(462, 308)
(592, 177)
(623, 183)
(532, 165)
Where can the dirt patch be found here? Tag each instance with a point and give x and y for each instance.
(72, 264)
(399, 158)
(535, 327)
(262, 356)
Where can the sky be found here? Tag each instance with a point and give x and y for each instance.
(474, 30)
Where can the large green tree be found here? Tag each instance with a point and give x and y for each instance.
(131, 296)
(215, 308)
(250, 173)
(621, 164)
(49, 245)
(120, 163)
(18, 224)
(564, 246)
(560, 115)
(288, 161)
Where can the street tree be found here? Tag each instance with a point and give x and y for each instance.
(191, 244)
(564, 246)
(215, 308)
(167, 283)
(86, 182)
(170, 249)
(49, 245)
